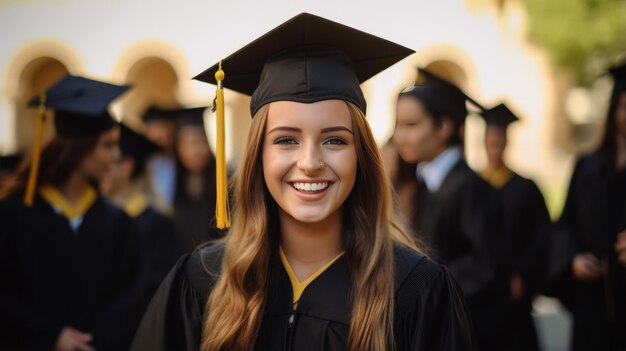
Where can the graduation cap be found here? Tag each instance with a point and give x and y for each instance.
(499, 116)
(440, 96)
(158, 114)
(191, 117)
(80, 106)
(135, 145)
(306, 59)
(619, 76)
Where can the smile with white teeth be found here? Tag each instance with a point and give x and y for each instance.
(310, 186)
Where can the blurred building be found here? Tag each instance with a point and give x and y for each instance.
(159, 46)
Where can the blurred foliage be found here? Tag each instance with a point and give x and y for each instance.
(584, 37)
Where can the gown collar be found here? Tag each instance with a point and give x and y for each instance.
(56, 199)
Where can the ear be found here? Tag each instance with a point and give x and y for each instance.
(446, 127)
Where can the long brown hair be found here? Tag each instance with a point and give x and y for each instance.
(234, 309)
(59, 158)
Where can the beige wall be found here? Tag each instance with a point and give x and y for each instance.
(160, 46)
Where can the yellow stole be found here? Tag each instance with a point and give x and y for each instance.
(54, 197)
(298, 286)
(135, 204)
(497, 178)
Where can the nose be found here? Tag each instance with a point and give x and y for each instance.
(309, 158)
(116, 153)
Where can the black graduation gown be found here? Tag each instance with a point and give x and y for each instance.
(162, 248)
(430, 313)
(594, 212)
(461, 224)
(53, 277)
(526, 235)
(194, 220)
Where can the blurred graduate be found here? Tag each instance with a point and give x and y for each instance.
(71, 262)
(129, 186)
(160, 127)
(526, 229)
(195, 193)
(593, 282)
(457, 213)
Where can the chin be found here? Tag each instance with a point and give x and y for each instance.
(309, 216)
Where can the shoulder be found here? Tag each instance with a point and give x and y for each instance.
(464, 176)
(414, 269)
(591, 162)
(109, 209)
(518, 181)
(203, 267)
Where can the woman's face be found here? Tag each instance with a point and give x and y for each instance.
(620, 116)
(416, 136)
(161, 132)
(309, 158)
(495, 143)
(193, 148)
(100, 161)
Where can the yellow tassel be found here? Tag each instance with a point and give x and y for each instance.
(34, 166)
(222, 210)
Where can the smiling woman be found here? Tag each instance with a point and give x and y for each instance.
(316, 259)
(301, 138)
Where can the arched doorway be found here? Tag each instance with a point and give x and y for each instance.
(36, 77)
(154, 82)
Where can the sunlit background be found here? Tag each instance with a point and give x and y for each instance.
(545, 59)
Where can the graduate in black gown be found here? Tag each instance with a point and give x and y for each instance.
(128, 186)
(594, 216)
(70, 261)
(315, 259)
(456, 211)
(195, 197)
(526, 229)
(160, 128)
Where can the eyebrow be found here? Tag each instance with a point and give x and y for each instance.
(298, 130)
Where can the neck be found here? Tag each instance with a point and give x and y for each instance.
(311, 243)
(494, 165)
(195, 184)
(121, 194)
(74, 187)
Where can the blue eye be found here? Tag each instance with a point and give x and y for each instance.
(285, 140)
(335, 141)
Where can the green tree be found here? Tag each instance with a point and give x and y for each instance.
(584, 37)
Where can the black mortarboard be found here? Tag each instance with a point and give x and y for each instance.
(307, 59)
(10, 162)
(191, 116)
(155, 114)
(80, 105)
(135, 145)
(440, 96)
(499, 116)
(619, 76)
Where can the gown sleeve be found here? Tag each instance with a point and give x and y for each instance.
(173, 320)
(438, 319)
(22, 326)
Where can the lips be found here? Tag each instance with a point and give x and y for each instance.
(311, 191)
